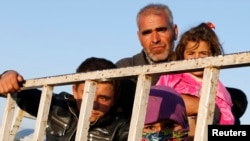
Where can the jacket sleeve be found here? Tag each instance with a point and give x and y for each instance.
(28, 100)
(123, 132)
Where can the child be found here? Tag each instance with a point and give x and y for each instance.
(200, 41)
(105, 121)
(166, 117)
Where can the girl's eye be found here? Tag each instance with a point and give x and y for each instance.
(205, 53)
(189, 53)
(168, 126)
(149, 128)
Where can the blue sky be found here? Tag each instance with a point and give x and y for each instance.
(52, 37)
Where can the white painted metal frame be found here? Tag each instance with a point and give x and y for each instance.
(5, 134)
(43, 111)
(212, 66)
(207, 103)
(86, 108)
(140, 103)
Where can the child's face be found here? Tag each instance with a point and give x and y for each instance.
(194, 50)
(166, 130)
(103, 101)
(160, 126)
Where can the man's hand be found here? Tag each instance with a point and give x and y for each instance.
(10, 82)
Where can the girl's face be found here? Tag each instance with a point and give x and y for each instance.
(161, 125)
(197, 50)
(166, 130)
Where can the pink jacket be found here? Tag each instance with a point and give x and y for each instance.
(184, 83)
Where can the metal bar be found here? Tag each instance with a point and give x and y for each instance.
(212, 66)
(17, 122)
(207, 103)
(139, 108)
(86, 109)
(7, 119)
(43, 113)
(226, 61)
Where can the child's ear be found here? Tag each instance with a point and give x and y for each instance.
(74, 91)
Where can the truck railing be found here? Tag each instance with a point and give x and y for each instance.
(211, 66)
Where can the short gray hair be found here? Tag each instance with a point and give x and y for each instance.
(155, 8)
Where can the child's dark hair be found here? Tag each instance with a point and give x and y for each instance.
(94, 64)
(98, 64)
(240, 103)
(202, 32)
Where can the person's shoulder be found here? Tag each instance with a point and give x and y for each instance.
(122, 124)
(123, 118)
(124, 62)
(64, 96)
(63, 99)
(137, 59)
(239, 100)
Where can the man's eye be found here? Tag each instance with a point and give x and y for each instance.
(162, 29)
(104, 98)
(146, 32)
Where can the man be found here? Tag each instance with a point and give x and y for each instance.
(157, 33)
(105, 122)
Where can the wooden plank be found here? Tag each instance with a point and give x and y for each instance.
(226, 61)
(207, 103)
(7, 119)
(43, 111)
(140, 107)
(86, 109)
(17, 120)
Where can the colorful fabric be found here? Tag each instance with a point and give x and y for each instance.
(165, 135)
(185, 83)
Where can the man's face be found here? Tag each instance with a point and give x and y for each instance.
(104, 99)
(157, 36)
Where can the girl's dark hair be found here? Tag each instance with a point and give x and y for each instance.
(202, 32)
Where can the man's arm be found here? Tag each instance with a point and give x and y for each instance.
(10, 81)
(191, 103)
(28, 100)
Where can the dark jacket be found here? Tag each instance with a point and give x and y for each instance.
(63, 118)
(137, 60)
(240, 103)
(129, 85)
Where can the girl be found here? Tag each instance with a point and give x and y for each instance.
(200, 41)
(166, 118)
